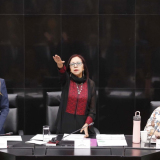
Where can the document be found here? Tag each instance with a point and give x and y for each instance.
(39, 137)
(111, 136)
(111, 140)
(3, 143)
(74, 137)
(12, 138)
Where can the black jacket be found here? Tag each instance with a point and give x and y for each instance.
(67, 123)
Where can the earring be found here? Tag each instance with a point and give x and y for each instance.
(83, 74)
(70, 74)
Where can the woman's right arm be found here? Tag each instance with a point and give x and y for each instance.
(61, 68)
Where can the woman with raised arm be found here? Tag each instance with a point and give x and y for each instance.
(78, 100)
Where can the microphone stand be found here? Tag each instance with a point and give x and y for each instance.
(54, 140)
(153, 134)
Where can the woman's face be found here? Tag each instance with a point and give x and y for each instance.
(76, 66)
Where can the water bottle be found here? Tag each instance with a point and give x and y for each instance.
(136, 127)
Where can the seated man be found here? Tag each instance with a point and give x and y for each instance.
(4, 104)
(152, 123)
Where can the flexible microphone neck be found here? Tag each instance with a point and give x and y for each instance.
(78, 130)
(55, 140)
(153, 133)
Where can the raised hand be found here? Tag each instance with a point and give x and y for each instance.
(58, 60)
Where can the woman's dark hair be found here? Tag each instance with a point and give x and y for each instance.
(86, 73)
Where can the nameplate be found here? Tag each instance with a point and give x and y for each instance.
(3, 143)
(157, 143)
(83, 143)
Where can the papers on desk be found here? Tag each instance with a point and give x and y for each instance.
(102, 139)
(74, 137)
(111, 136)
(3, 143)
(39, 137)
(111, 140)
(80, 141)
(12, 138)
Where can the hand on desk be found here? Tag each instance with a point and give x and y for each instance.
(85, 130)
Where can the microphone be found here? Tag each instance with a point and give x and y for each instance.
(153, 133)
(55, 140)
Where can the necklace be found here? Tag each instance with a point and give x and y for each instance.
(79, 89)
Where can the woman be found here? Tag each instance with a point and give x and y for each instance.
(4, 104)
(153, 123)
(78, 100)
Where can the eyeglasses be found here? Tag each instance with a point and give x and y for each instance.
(73, 64)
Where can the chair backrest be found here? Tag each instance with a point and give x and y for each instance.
(52, 105)
(11, 123)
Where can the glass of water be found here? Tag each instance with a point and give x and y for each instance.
(46, 133)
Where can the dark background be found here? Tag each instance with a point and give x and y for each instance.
(118, 38)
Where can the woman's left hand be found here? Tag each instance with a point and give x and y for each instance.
(85, 130)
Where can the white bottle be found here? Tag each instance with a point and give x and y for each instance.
(136, 127)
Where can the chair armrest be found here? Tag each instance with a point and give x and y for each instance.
(96, 130)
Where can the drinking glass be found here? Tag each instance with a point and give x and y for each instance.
(46, 133)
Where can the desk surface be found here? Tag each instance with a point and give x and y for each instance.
(21, 150)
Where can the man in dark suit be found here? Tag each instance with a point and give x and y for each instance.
(4, 104)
